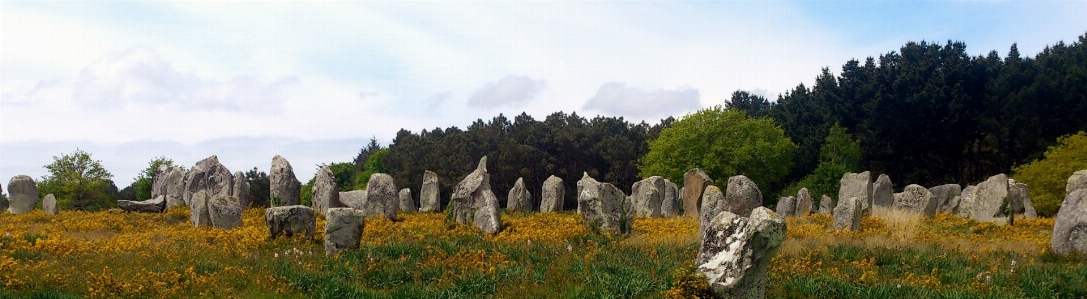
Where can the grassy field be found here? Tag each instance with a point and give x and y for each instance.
(111, 255)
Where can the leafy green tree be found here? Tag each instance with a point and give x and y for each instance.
(78, 182)
(723, 143)
(143, 182)
(373, 165)
(259, 183)
(839, 154)
(343, 172)
(754, 105)
(1046, 178)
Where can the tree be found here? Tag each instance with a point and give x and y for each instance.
(839, 154)
(723, 143)
(1046, 178)
(259, 183)
(373, 165)
(78, 182)
(753, 105)
(143, 182)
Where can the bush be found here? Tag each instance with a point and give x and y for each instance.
(1046, 178)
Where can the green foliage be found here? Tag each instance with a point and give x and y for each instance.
(723, 143)
(78, 182)
(373, 165)
(753, 105)
(1046, 178)
(307, 192)
(343, 173)
(839, 154)
(258, 187)
(143, 182)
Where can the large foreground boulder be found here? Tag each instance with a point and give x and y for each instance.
(473, 202)
(944, 196)
(326, 193)
(49, 204)
(284, 188)
(22, 194)
(848, 213)
(290, 220)
(154, 205)
(552, 195)
(857, 185)
(605, 208)
(407, 204)
(648, 197)
(241, 190)
(695, 182)
(209, 176)
(916, 199)
(742, 196)
(670, 206)
(343, 229)
(1070, 225)
(382, 197)
(519, 199)
(736, 252)
(355, 199)
(883, 192)
(428, 193)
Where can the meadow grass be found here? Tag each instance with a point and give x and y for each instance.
(111, 255)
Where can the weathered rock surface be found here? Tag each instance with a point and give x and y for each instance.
(381, 196)
(154, 205)
(49, 204)
(671, 204)
(857, 185)
(519, 199)
(1070, 225)
(1020, 195)
(848, 213)
(290, 220)
(473, 202)
(916, 199)
(284, 187)
(826, 205)
(944, 195)
(804, 202)
(989, 201)
(1078, 180)
(326, 193)
(695, 182)
(355, 199)
(175, 187)
(604, 207)
(786, 206)
(736, 251)
(585, 180)
(407, 204)
(22, 194)
(343, 229)
(713, 203)
(742, 196)
(429, 201)
(883, 192)
(225, 212)
(241, 190)
(210, 176)
(966, 199)
(649, 197)
(553, 195)
(199, 214)
(158, 181)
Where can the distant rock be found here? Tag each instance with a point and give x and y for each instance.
(473, 202)
(917, 200)
(407, 204)
(857, 185)
(736, 251)
(944, 196)
(519, 199)
(428, 193)
(210, 176)
(882, 192)
(154, 205)
(671, 204)
(22, 194)
(786, 206)
(826, 205)
(848, 213)
(1070, 225)
(284, 187)
(804, 202)
(241, 190)
(49, 204)
(742, 196)
(552, 197)
(290, 220)
(695, 182)
(343, 229)
(604, 207)
(381, 196)
(355, 199)
(326, 193)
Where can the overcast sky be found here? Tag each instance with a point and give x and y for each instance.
(313, 81)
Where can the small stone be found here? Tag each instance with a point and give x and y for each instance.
(786, 206)
(917, 200)
(519, 198)
(1078, 180)
(290, 220)
(848, 213)
(343, 229)
(207, 175)
(804, 202)
(407, 204)
(175, 187)
(199, 214)
(428, 193)
(225, 212)
(649, 197)
(990, 202)
(49, 204)
(604, 207)
(826, 205)
(713, 203)
(882, 192)
(670, 206)
(552, 197)
(473, 202)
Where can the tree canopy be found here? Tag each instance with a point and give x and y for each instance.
(79, 182)
(1046, 178)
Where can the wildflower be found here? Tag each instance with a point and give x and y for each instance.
(569, 248)
(277, 255)
(988, 278)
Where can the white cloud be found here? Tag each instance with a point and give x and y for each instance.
(620, 100)
(511, 91)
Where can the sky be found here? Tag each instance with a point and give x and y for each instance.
(314, 81)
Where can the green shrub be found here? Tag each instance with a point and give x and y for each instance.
(1046, 178)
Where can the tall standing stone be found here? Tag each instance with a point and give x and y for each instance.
(883, 192)
(917, 200)
(407, 204)
(242, 190)
(23, 194)
(326, 193)
(290, 220)
(49, 204)
(695, 182)
(381, 196)
(736, 251)
(175, 187)
(428, 193)
(210, 176)
(857, 185)
(944, 196)
(603, 206)
(519, 199)
(650, 197)
(1070, 225)
(199, 214)
(473, 202)
(553, 195)
(804, 202)
(848, 213)
(158, 181)
(670, 206)
(284, 187)
(966, 199)
(786, 206)
(713, 203)
(742, 196)
(826, 205)
(1022, 195)
(343, 229)
(585, 180)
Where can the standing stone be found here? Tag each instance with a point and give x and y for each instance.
(428, 193)
(713, 203)
(381, 196)
(650, 197)
(284, 187)
(804, 202)
(49, 204)
(175, 187)
(826, 205)
(736, 251)
(355, 199)
(209, 176)
(882, 192)
(290, 220)
(605, 208)
(857, 185)
(944, 195)
(154, 205)
(473, 202)
(916, 199)
(671, 204)
(742, 196)
(787, 206)
(848, 213)
(225, 212)
(695, 182)
(1078, 180)
(990, 201)
(407, 204)
(158, 181)
(199, 214)
(343, 229)
(586, 180)
(966, 199)
(519, 198)
(242, 190)
(552, 197)
(635, 191)
(326, 193)
(23, 194)
(1022, 199)
(1070, 225)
